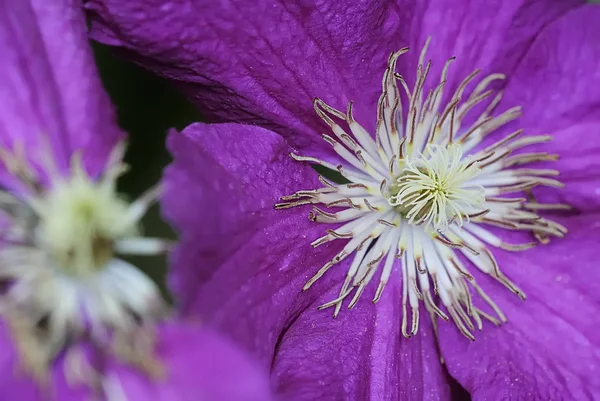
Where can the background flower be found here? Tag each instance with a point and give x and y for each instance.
(262, 63)
(49, 91)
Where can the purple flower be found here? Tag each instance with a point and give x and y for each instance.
(77, 320)
(262, 64)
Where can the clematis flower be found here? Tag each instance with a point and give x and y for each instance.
(441, 170)
(78, 320)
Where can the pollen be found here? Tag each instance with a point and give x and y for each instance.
(422, 194)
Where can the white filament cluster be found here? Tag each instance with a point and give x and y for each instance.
(435, 189)
(423, 191)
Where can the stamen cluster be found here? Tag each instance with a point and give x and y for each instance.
(424, 191)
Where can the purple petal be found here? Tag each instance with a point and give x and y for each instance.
(244, 271)
(263, 62)
(360, 355)
(14, 383)
(49, 90)
(298, 50)
(240, 263)
(200, 365)
(557, 84)
(550, 347)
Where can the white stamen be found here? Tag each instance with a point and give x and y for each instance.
(415, 197)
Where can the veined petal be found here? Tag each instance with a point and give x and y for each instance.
(240, 263)
(358, 356)
(550, 347)
(325, 50)
(556, 82)
(312, 49)
(492, 35)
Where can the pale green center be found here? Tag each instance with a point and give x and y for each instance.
(79, 221)
(436, 188)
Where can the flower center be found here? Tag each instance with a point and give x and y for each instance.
(79, 222)
(410, 189)
(434, 189)
(60, 239)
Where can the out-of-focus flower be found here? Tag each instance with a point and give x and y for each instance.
(77, 320)
(262, 63)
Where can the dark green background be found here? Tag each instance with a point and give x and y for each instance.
(147, 107)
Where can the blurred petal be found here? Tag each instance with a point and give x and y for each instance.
(49, 90)
(14, 383)
(200, 365)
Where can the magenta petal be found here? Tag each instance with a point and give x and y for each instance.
(262, 62)
(14, 383)
(360, 355)
(550, 347)
(557, 84)
(48, 86)
(579, 165)
(241, 264)
(492, 36)
(250, 284)
(17, 384)
(201, 365)
(266, 60)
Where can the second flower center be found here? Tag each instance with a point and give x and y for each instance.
(79, 220)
